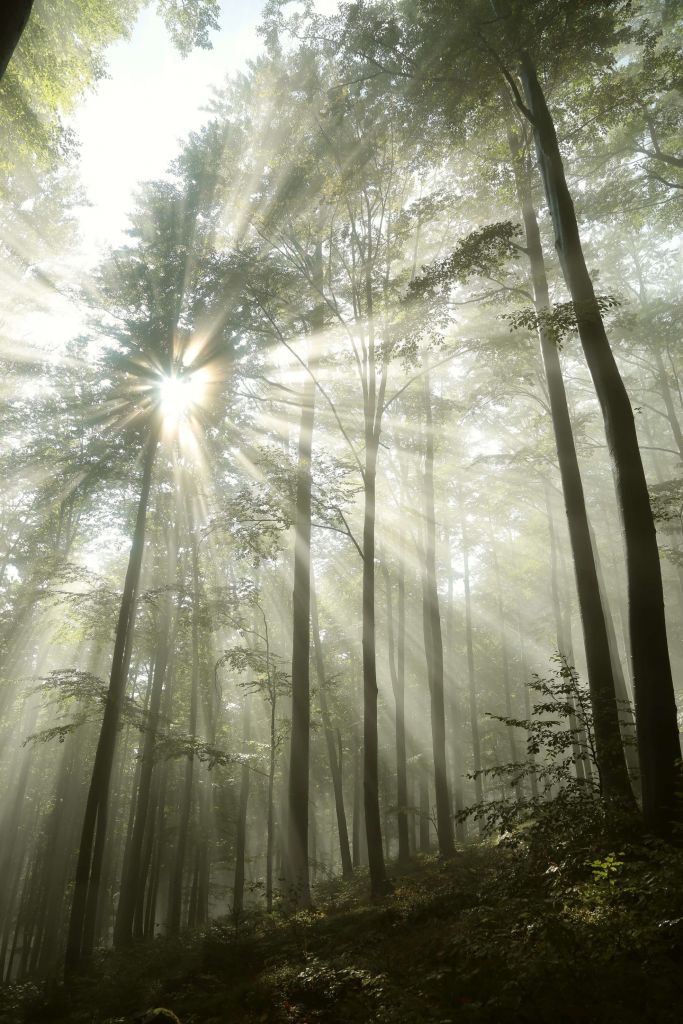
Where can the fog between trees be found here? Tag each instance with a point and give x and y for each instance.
(347, 524)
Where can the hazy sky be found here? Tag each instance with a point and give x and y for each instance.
(129, 130)
(130, 126)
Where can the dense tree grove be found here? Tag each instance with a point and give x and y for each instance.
(346, 524)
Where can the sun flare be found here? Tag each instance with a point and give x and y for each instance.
(180, 394)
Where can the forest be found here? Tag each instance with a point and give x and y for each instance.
(341, 534)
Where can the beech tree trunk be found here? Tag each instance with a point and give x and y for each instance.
(658, 742)
(241, 836)
(333, 753)
(397, 669)
(455, 705)
(614, 779)
(474, 717)
(186, 802)
(505, 662)
(131, 880)
(298, 791)
(89, 865)
(433, 641)
(373, 827)
(14, 17)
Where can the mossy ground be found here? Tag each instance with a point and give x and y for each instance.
(480, 938)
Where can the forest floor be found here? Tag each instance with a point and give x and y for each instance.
(483, 937)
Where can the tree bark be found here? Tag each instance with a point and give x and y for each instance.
(131, 880)
(13, 20)
(474, 718)
(505, 660)
(614, 780)
(241, 837)
(373, 828)
(433, 640)
(658, 742)
(177, 874)
(298, 791)
(330, 740)
(89, 864)
(398, 680)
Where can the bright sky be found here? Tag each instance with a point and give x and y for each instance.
(129, 128)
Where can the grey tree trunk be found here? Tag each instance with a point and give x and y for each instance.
(330, 739)
(89, 865)
(13, 20)
(241, 837)
(658, 741)
(397, 669)
(373, 828)
(186, 802)
(131, 875)
(614, 780)
(433, 641)
(299, 750)
(474, 716)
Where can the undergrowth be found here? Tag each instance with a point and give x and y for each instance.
(556, 917)
(485, 937)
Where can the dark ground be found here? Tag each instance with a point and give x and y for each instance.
(486, 937)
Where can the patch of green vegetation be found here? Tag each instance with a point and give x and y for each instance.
(489, 936)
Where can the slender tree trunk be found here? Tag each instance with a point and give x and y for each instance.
(658, 741)
(241, 837)
(564, 644)
(613, 774)
(131, 881)
(89, 865)
(330, 740)
(357, 805)
(474, 716)
(299, 750)
(270, 823)
(458, 800)
(425, 815)
(397, 668)
(431, 619)
(505, 660)
(178, 872)
(373, 829)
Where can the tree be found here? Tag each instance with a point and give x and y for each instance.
(500, 47)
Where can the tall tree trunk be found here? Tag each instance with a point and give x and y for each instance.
(433, 641)
(397, 669)
(270, 812)
(186, 803)
(564, 643)
(299, 750)
(241, 837)
(658, 741)
(89, 864)
(373, 829)
(132, 880)
(454, 700)
(330, 740)
(625, 711)
(357, 804)
(613, 774)
(505, 660)
(423, 798)
(13, 20)
(474, 716)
